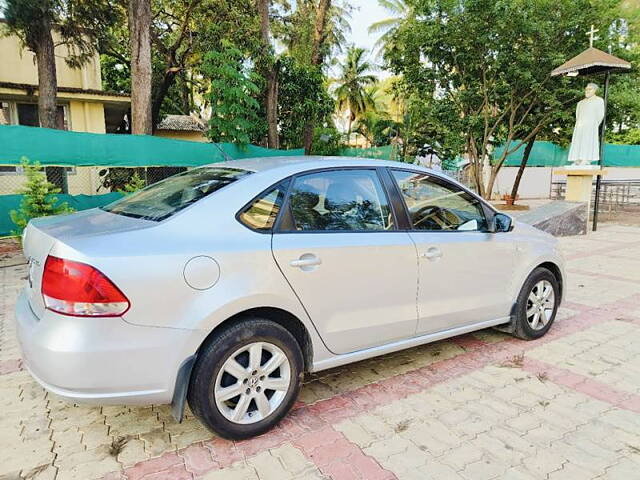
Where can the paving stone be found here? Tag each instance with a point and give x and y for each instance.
(460, 457)
(570, 470)
(384, 449)
(518, 473)
(623, 469)
(292, 459)
(156, 442)
(268, 466)
(237, 471)
(543, 463)
(132, 452)
(484, 469)
(87, 465)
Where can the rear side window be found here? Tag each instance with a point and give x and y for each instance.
(165, 198)
(340, 200)
(262, 213)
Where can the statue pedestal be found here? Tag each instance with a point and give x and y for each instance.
(580, 184)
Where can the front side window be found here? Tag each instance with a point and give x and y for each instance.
(262, 213)
(340, 200)
(437, 205)
(163, 199)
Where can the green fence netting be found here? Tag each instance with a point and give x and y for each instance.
(547, 154)
(57, 147)
(77, 202)
(386, 152)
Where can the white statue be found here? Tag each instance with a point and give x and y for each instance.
(585, 143)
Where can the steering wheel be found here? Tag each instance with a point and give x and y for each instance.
(445, 219)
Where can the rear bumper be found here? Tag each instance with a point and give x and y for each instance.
(102, 360)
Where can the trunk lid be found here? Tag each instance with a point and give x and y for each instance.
(45, 235)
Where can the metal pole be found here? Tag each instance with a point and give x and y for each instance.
(603, 130)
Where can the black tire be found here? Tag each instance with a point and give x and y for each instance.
(211, 359)
(522, 328)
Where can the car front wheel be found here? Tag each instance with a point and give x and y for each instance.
(537, 305)
(246, 378)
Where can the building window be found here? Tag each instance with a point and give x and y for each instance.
(28, 115)
(19, 113)
(5, 113)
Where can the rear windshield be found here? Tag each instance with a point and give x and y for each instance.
(163, 199)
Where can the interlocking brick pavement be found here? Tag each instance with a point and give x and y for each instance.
(478, 406)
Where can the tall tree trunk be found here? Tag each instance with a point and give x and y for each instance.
(47, 95)
(47, 78)
(271, 76)
(161, 92)
(140, 28)
(307, 137)
(319, 36)
(272, 106)
(319, 33)
(525, 159)
(476, 166)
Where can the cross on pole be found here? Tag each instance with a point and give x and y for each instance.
(592, 34)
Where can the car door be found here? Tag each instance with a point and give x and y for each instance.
(464, 271)
(355, 273)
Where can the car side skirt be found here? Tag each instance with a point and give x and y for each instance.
(339, 360)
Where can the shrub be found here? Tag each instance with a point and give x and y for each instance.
(135, 183)
(327, 141)
(38, 198)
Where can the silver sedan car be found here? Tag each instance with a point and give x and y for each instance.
(223, 285)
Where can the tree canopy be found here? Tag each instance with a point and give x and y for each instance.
(468, 75)
(476, 72)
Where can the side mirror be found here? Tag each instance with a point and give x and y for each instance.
(500, 223)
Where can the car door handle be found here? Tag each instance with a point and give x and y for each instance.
(432, 253)
(306, 260)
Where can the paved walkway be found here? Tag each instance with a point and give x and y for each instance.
(475, 407)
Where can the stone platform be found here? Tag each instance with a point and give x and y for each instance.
(559, 218)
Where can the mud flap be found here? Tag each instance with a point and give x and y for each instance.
(180, 390)
(509, 327)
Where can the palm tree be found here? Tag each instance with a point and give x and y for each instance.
(353, 81)
(377, 128)
(399, 11)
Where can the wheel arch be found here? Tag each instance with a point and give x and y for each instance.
(277, 315)
(282, 317)
(556, 271)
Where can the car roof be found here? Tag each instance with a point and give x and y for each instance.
(301, 163)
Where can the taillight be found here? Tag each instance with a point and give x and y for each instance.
(78, 289)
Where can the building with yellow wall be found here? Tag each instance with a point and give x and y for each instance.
(82, 106)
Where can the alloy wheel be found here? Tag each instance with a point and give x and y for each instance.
(252, 382)
(540, 305)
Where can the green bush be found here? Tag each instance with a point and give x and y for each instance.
(327, 141)
(38, 199)
(135, 183)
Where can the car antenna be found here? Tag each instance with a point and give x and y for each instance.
(224, 154)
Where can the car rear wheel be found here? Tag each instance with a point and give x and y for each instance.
(537, 305)
(246, 378)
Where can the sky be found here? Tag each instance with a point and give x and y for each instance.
(365, 13)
